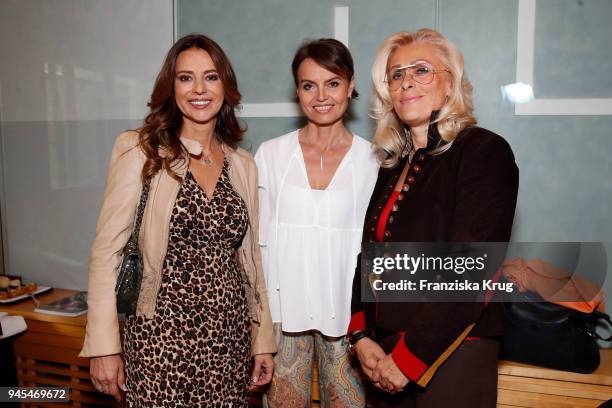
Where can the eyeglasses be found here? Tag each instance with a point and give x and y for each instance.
(422, 73)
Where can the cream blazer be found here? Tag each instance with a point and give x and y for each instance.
(115, 225)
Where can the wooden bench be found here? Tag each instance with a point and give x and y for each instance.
(522, 385)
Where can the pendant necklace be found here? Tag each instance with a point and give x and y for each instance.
(207, 160)
(321, 153)
(321, 156)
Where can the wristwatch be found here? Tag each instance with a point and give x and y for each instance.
(354, 337)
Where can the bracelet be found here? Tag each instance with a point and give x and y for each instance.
(354, 337)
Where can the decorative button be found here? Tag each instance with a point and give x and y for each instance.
(417, 168)
(394, 208)
(410, 179)
(421, 157)
(391, 220)
(405, 187)
(400, 197)
(387, 233)
(372, 229)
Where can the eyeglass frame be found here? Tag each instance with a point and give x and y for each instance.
(404, 67)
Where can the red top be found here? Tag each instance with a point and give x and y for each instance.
(384, 216)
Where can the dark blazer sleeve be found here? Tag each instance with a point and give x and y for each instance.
(486, 192)
(357, 313)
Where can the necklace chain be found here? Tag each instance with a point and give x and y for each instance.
(207, 159)
(321, 153)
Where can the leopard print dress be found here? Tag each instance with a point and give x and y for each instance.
(195, 352)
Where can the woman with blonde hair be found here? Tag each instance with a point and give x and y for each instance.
(202, 332)
(444, 179)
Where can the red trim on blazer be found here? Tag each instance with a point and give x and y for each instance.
(408, 363)
(357, 322)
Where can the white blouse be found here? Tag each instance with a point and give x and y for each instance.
(310, 238)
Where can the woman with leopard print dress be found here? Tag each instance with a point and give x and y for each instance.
(202, 334)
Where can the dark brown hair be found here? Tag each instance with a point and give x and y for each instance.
(329, 53)
(163, 123)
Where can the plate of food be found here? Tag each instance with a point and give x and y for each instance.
(13, 290)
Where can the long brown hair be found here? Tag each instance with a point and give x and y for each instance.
(163, 123)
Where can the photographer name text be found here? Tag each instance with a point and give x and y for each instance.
(457, 285)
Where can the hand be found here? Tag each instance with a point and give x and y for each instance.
(108, 375)
(388, 377)
(263, 368)
(368, 353)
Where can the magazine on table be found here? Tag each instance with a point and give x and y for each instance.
(72, 306)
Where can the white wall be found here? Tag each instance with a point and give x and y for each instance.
(74, 74)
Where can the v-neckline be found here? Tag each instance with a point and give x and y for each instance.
(203, 189)
(302, 160)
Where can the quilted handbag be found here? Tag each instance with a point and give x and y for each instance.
(129, 274)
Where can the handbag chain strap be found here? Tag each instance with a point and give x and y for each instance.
(144, 196)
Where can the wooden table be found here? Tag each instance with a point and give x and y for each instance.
(47, 353)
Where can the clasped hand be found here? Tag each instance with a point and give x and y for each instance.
(380, 367)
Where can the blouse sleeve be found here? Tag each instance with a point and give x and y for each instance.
(264, 196)
(262, 332)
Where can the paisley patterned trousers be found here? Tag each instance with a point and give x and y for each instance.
(340, 381)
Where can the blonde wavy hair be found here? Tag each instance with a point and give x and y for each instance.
(456, 114)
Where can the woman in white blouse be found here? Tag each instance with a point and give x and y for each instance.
(315, 185)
